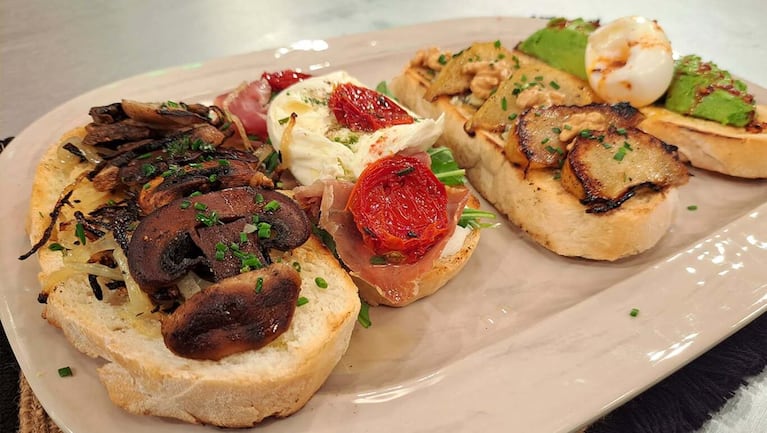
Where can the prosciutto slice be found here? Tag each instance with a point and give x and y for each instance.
(394, 282)
(248, 103)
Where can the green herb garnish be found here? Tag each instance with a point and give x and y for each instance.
(445, 168)
(363, 318)
(471, 218)
(80, 233)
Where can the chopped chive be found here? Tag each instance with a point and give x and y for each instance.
(264, 230)
(80, 233)
(220, 255)
(497, 44)
(144, 156)
(692, 207)
(259, 284)
(539, 78)
(185, 204)
(512, 116)
(634, 312)
(556, 130)
(545, 140)
(621, 131)
(272, 206)
(363, 318)
(442, 59)
(195, 194)
(259, 198)
(284, 120)
(56, 247)
(243, 237)
(297, 266)
(554, 85)
(567, 127)
(301, 301)
(321, 283)
(406, 170)
(620, 154)
(504, 104)
(378, 260)
(200, 206)
(65, 371)
(586, 133)
(213, 177)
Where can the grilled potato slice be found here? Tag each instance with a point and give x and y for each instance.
(452, 79)
(541, 135)
(532, 83)
(607, 169)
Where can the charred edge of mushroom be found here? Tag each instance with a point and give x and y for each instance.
(602, 205)
(108, 113)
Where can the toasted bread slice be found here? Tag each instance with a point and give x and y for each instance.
(710, 145)
(144, 377)
(535, 200)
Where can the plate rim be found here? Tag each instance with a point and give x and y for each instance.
(64, 108)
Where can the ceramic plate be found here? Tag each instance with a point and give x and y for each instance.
(521, 340)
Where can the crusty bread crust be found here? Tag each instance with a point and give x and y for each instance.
(535, 201)
(142, 376)
(710, 145)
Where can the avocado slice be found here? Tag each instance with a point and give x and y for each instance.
(701, 89)
(561, 44)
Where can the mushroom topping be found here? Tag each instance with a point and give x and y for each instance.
(166, 244)
(178, 181)
(170, 114)
(604, 171)
(245, 312)
(108, 113)
(114, 134)
(540, 137)
(180, 145)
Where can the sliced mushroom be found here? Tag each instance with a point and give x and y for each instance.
(224, 250)
(108, 113)
(163, 246)
(178, 182)
(241, 313)
(541, 135)
(171, 114)
(113, 134)
(605, 171)
(180, 145)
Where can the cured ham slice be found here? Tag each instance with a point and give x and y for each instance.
(248, 103)
(396, 282)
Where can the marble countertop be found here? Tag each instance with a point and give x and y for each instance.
(52, 51)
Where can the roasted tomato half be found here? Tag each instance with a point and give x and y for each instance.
(400, 208)
(362, 109)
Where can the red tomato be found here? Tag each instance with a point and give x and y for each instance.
(400, 208)
(363, 109)
(281, 80)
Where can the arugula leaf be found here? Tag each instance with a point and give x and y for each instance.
(471, 218)
(445, 168)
